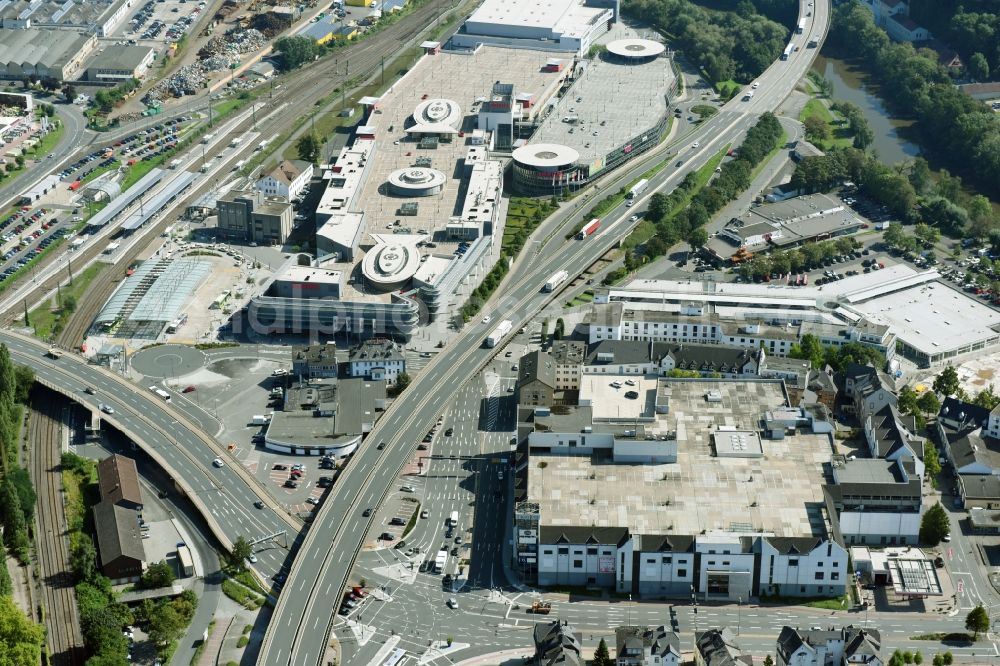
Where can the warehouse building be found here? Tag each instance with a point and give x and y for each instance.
(556, 25)
(43, 53)
(117, 64)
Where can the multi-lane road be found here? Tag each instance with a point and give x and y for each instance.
(298, 634)
(174, 437)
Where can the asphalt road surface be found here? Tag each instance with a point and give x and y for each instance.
(223, 492)
(298, 633)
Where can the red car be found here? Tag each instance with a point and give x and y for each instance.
(188, 389)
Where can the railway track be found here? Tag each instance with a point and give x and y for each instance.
(62, 622)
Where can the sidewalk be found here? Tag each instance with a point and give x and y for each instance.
(214, 643)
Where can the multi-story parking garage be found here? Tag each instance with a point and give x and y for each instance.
(590, 123)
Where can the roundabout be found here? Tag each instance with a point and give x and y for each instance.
(168, 361)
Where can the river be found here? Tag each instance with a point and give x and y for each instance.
(850, 85)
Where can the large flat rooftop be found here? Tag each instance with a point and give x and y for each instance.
(934, 318)
(779, 493)
(465, 80)
(613, 102)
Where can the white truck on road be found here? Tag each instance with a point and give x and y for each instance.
(440, 561)
(494, 338)
(555, 280)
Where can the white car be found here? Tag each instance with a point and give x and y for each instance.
(755, 85)
(312, 500)
(218, 462)
(252, 559)
(695, 144)
(487, 319)
(107, 409)
(452, 603)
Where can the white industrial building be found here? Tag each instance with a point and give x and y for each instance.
(895, 308)
(287, 179)
(557, 25)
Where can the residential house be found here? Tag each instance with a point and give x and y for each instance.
(646, 646)
(287, 179)
(975, 456)
(979, 491)
(377, 359)
(873, 501)
(568, 356)
(828, 647)
(714, 566)
(315, 361)
(902, 28)
(119, 543)
(959, 415)
(556, 644)
(118, 482)
(536, 380)
(717, 647)
(793, 371)
(821, 388)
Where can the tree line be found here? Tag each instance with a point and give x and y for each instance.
(961, 131)
(676, 222)
(971, 28)
(908, 190)
(20, 638)
(736, 45)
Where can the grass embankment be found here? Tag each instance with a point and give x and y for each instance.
(49, 318)
(524, 214)
(612, 201)
(840, 136)
(241, 594)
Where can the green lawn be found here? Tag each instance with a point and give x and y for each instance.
(49, 141)
(642, 233)
(140, 169)
(840, 136)
(48, 319)
(523, 217)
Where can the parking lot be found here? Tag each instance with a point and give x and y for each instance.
(160, 21)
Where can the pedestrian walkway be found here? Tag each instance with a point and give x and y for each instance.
(214, 643)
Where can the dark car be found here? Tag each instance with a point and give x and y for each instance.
(188, 389)
(291, 483)
(396, 520)
(381, 445)
(631, 395)
(387, 536)
(421, 447)
(259, 504)
(279, 466)
(449, 432)
(366, 513)
(939, 562)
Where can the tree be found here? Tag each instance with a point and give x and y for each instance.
(83, 560)
(978, 67)
(768, 661)
(165, 624)
(69, 90)
(601, 656)
(938, 660)
(158, 574)
(932, 466)
(308, 147)
(697, 238)
(894, 235)
(918, 658)
(296, 51)
(987, 398)
(241, 551)
(929, 403)
(977, 621)
(659, 206)
(816, 129)
(934, 525)
(560, 329)
(810, 349)
(947, 657)
(20, 638)
(946, 383)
